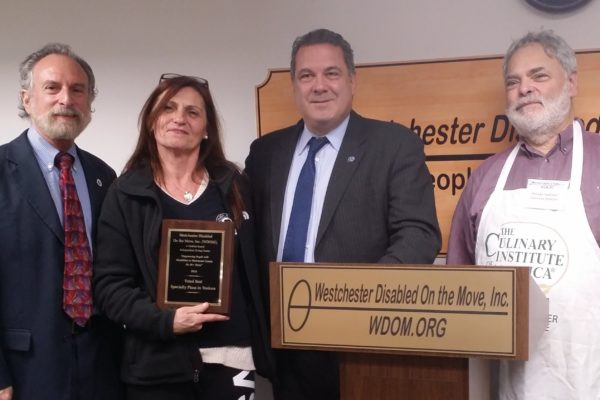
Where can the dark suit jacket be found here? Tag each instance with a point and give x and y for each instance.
(40, 355)
(379, 205)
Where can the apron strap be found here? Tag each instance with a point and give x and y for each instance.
(577, 158)
(506, 168)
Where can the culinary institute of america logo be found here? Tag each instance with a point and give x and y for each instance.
(535, 245)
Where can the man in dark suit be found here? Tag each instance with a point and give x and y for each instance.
(366, 198)
(45, 353)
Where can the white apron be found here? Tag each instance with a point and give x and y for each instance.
(544, 226)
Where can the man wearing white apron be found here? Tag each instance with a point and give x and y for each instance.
(538, 204)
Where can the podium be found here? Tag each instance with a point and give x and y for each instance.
(406, 331)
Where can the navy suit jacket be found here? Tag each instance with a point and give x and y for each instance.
(41, 356)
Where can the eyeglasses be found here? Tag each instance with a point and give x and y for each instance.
(167, 76)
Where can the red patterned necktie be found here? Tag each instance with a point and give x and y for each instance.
(77, 275)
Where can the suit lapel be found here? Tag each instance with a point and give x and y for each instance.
(95, 185)
(279, 170)
(349, 156)
(28, 177)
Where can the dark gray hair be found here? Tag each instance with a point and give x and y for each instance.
(26, 68)
(553, 45)
(323, 36)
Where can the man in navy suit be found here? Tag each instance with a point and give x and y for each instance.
(372, 198)
(44, 354)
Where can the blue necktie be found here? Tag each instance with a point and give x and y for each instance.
(295, 239)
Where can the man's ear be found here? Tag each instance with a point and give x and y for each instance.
(573, 84)
(26, 100)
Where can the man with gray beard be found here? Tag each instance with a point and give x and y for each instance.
(53, 344)
(545, 189)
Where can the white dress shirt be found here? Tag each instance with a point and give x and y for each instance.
(324, 161)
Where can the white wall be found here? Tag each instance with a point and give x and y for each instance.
(129, 43)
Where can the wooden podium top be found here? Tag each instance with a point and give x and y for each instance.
(457, 311)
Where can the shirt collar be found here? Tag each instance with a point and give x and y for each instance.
(45, 152)
(335, 137)
(564, 144)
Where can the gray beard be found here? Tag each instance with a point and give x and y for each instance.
(540, 127)
(62, 130)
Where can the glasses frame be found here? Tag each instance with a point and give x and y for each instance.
(171, 75)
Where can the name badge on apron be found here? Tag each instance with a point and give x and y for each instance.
(546, 194)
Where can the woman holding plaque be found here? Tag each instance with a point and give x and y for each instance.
(178, 172)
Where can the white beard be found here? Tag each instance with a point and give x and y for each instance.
(61, 130)
(538, 127)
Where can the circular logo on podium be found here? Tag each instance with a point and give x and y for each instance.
(299, 305)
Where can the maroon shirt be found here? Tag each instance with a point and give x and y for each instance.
(529, 164)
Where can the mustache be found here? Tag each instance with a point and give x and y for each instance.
(526, 100)
(66, 112)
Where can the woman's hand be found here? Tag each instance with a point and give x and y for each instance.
(191, 319)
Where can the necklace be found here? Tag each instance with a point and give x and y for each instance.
(188, 196)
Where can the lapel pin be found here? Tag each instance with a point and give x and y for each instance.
(351, 159)
(99, 182)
